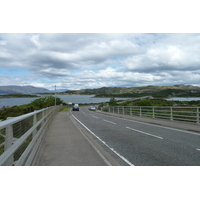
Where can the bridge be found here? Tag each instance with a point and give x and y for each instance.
(119, 137)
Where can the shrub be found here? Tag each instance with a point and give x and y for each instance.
(112, 102)
(145, 102)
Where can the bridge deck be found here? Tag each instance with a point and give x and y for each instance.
(65, 145)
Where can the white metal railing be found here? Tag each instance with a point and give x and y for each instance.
(184, 114)
(21, 137)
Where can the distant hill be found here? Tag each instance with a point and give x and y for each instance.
(13, 89)
(150, 90)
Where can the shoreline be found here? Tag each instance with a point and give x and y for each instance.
(11, 96)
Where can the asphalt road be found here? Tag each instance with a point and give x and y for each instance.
(140, 143)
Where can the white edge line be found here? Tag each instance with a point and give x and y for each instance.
(109, 121)
(100, 154)
(144, 132)
(128, 162)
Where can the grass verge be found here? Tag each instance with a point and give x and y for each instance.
(65, 110)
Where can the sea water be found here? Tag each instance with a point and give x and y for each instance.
(66, 98)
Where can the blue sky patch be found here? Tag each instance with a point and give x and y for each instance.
(13, 71)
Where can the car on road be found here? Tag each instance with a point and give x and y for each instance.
(75, 108)
(92, 108)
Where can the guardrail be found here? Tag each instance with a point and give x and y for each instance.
(183, 114)
(21, 137)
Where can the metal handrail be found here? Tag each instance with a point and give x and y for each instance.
(23, 136)
(186, 114)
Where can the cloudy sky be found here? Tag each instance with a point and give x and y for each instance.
(78, 61)
(85, 44)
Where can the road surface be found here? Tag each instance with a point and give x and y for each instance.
(139, 143)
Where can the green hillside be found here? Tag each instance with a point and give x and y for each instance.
(155, 91)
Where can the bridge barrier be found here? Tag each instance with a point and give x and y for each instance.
(182, 114)
(21, 137)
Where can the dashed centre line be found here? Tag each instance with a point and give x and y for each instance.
(95, 117)
(144, 132)
(109, 121)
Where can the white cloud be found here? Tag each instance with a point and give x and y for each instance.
(35, 40)
(58, 72)
(4, 55)
(95, 60)
(3, 43)
(166, 56)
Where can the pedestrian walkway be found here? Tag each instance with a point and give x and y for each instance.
(65, 145)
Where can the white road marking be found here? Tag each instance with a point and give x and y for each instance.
(144, 132)
(95, 117)
(109, 121)
(198, 149)
(149, 124)
(100, 154)
(128, 162)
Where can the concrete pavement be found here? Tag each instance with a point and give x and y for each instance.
(66, 145)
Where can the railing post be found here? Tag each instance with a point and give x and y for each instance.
(123, 109)
(9, 143)
(140, 111)
(34, 122)
(198, 115)
(43, 116)
(171, 114)
(153, 112)
(9, 137)
(130, 110)
(118, 109)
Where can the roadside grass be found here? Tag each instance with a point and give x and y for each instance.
(65, 110)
